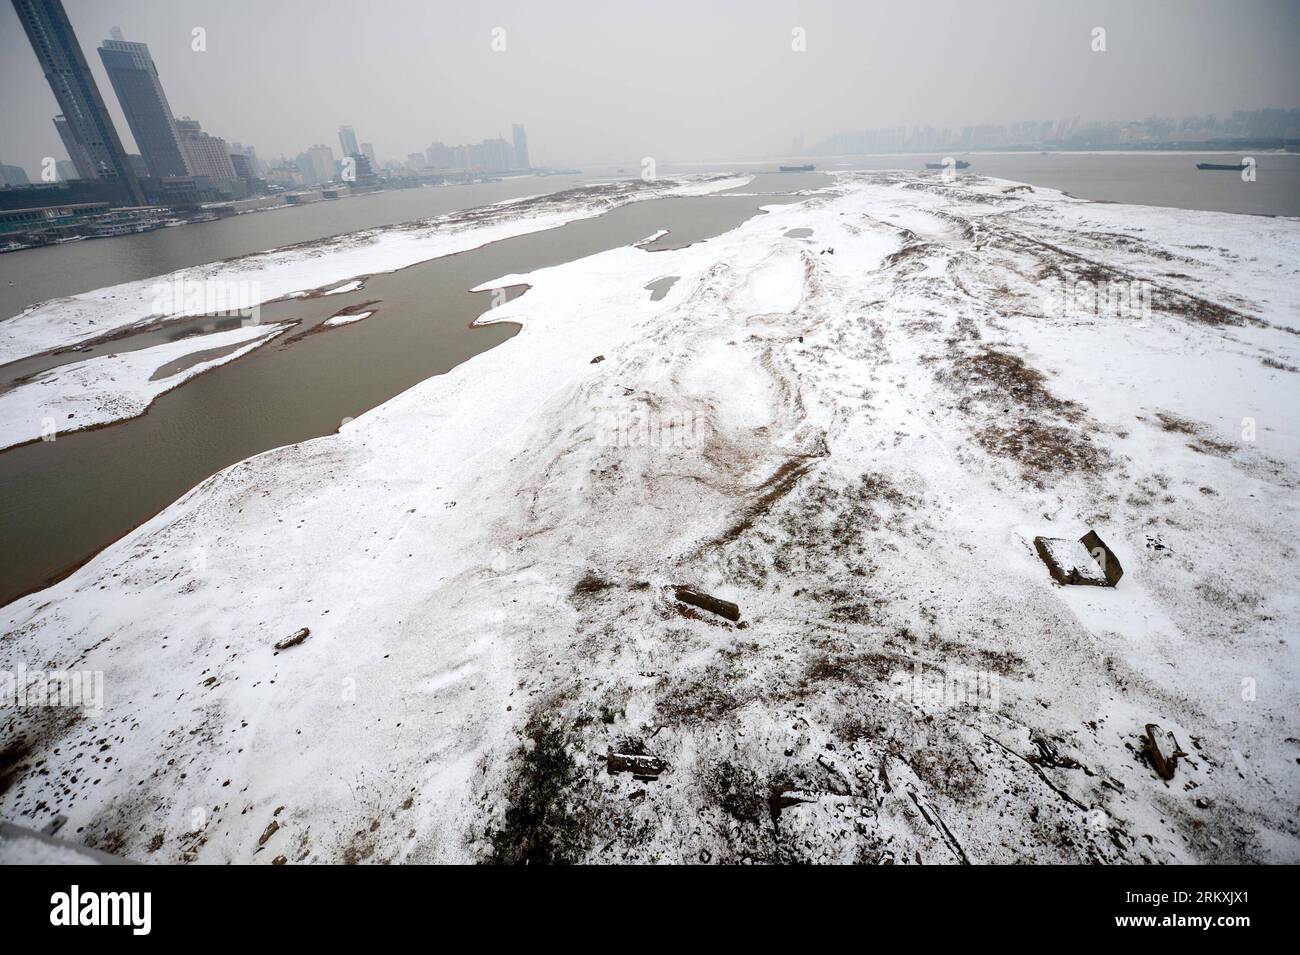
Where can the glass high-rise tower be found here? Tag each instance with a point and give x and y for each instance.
(134, 77)
(88, 123)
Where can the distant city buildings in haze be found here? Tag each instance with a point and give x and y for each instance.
(490, 155)
(135, 79)
(182, 166)
(317, 164)
(521, 148)
(1261, 125)
(99, 152)
(348, 140)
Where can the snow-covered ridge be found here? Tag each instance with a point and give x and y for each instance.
(854, 436)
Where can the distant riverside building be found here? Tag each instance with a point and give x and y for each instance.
(285, 175)
(368, 150)
(206, 155)
(246, 169)
(87, 121)
(13, 176)
(248, 152)
(521, 147)
(439, 156)
(363, 172)
(66, 169)
(317, 164)
(348, 140)
(135, 79)
(491, 155)
(498, 155)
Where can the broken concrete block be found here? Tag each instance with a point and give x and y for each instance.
(1085, 561)
(1104, 556)
(294, 639)
(640, 765)
(1163, 760)
(697, 598)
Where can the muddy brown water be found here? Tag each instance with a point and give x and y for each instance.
(63, 501)
(35, 275)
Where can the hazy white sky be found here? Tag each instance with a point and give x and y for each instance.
(705, 79)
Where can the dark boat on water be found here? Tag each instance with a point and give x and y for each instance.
(808, 167)
(1215, 165)
(961, 164)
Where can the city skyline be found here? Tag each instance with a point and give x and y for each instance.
(286, 60)
(89, 134)
(178, 161)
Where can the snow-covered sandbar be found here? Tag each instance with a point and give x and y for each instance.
(328, 264)
(855, 437)
(110, 388)
(97, 392)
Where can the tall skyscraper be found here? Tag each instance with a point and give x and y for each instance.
(134, 77)
(348, 140)
(521, 148)
(66, 70)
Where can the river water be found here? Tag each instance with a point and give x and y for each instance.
(1145, 178)
(62, 501)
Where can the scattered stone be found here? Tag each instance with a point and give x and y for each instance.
(1163, 765)
(1085, 561)
(643, 767)
(697, 598)
(268, 832)
(598, 359)
(294, 639)
(279, 860)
